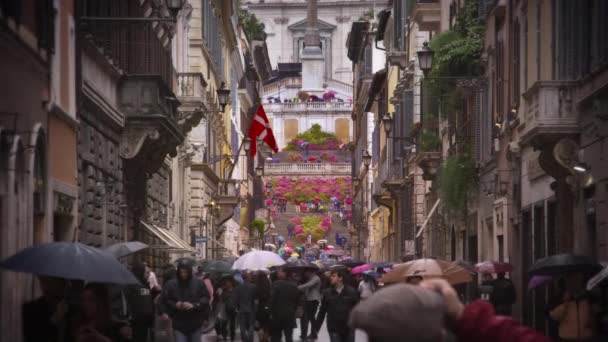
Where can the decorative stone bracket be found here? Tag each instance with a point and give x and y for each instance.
(429, 162)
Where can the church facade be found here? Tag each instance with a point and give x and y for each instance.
(312, 77)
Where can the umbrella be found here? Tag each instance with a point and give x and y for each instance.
(270, 245)
(596, 279)
(493, 267)
(428, 268)
(301, 265)
(563, 263)
(186, 261)
(320, 264)
(338, 267)
(257, 260)
(70, 260)
(217, 266)
(362, 269)
(383, 264)
(124, 249)
(350, 263)
(538, 280)
(466, 265)
(329, 262)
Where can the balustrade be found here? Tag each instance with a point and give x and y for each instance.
(305, 169)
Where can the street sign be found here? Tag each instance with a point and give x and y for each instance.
(199, 242)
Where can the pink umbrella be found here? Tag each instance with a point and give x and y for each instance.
(362, 269)
(493, 267)
(538, 280)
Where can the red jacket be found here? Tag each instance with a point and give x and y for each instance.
(478, 323)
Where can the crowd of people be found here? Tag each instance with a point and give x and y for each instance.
(269, 304)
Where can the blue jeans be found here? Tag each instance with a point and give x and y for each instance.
(194, 336)
(247, 323)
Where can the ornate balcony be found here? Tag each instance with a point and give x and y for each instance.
(427, 13)
(151, 128)
(192, 96)
(308, 169)
(308, 107)
(227, 199)
(549, 113)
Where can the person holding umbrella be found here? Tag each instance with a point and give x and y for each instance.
(574, 314)
(45, 317)
(94, 320)
(186, 301)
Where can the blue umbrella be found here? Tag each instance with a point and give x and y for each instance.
(70, 260)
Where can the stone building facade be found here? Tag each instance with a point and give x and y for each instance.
(38, 185)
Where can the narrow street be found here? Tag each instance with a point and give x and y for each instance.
(409, 163)
(323, 335)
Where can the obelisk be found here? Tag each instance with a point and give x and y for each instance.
(313, 63)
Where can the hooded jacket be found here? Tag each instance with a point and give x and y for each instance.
(189, 290)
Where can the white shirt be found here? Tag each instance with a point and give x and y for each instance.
(365, 289)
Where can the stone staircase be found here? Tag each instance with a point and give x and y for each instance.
(282, 220)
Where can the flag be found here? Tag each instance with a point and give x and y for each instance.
(260, 128)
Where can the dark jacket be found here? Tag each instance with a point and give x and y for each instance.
(337, 306)
(192, 291)
(503, 296)
(244, 297)
(140, 302)
(284, 300)
(37, 325)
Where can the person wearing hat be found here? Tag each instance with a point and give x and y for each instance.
(186, 301)
(432, 312)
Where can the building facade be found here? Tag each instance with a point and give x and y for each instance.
(528, 125)
(38, 129)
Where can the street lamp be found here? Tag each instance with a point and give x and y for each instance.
(425, 58)
(387, 121)
(367, 159)
(223, 94)
(259, 171)
(247, 144)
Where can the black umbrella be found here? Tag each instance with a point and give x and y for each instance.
(351, 263)
(563, 263)
(217, 266)
(70, 260)
(123, 249)
(301, 265)
(185, 261)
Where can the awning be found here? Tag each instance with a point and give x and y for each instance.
(428, 217)
(173, 243)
